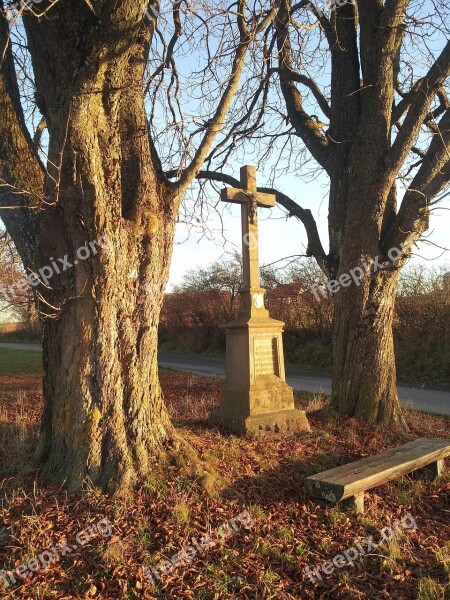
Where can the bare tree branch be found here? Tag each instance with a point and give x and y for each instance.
(312, 85)
(392, 9)
(314, 248)
(21, 172)
(216, 122)
(306, 127)
(431, 178)
(38, 133)
(321, 18)
(418, 110)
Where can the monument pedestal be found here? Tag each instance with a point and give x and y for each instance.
(257, 400)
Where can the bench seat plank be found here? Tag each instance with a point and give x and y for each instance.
(357, 477)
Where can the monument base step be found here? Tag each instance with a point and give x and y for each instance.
(283, 422)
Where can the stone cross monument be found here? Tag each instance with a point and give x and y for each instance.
(256, 399)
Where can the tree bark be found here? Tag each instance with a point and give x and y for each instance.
(21, 172)
(363, 151)
(364, 371)
(112, 214)
(104, 416)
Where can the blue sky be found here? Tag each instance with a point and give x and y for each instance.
(280, 238)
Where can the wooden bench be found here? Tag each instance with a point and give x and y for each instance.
(346, 484)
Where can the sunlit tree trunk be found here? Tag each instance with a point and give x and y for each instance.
(364, 372)
(104, 414)
(97, 222)
(373, 126)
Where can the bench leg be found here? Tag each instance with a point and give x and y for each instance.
(431, 471)
(355, 503)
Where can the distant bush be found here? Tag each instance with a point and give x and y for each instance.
(422, 325)
(19, 332)
(208, 298)
(16, 301)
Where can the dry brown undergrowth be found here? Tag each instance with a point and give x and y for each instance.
(180, 500)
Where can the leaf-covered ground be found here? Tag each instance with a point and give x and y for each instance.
(184, 500)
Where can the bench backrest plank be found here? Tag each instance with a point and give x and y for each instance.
(356, 477)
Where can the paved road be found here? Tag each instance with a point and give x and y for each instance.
(428, 399)
(21, 346)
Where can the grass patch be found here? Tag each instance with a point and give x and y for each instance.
(423, 364)
(309, 354)
(430, 589)
(181, 515)
(20, 362)
(443, 557)
(408, 490)
(184, 347)
(113, 555)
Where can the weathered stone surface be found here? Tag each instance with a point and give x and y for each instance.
(282, 422)
(256, 399)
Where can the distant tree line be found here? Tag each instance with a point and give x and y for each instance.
(16, 296)
(208, 297)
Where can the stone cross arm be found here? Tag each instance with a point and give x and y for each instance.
(236, 196)
(248, 192)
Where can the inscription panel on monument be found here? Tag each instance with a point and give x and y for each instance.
(265, 356)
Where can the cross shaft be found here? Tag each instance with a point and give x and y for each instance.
(249, 198)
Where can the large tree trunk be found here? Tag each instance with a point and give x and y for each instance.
(104, 416)
(364, 372)
(371, 136)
